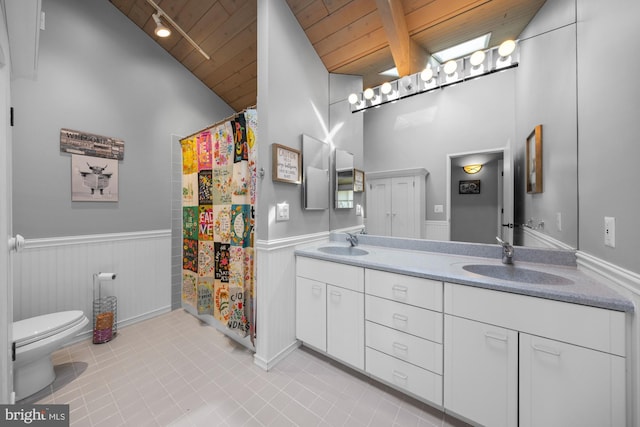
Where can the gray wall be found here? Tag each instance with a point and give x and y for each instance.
(546, 94)
(293, 99)
(99, 73)
(474, 217)
(608, 127)
(347, 134)
(420, 131)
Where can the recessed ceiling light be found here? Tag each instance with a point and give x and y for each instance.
(462, 49)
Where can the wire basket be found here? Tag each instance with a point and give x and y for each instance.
(105, 319)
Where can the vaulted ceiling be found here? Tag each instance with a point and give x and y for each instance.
(359, 37)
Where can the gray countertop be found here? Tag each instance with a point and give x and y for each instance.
(448, 267)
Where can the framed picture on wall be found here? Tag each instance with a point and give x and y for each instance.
(286, 164)
(358, 181)
(534, 160)
(469, 187)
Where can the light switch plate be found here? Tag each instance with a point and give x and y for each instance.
(282, 211)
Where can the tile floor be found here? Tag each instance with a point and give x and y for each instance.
(174, 370)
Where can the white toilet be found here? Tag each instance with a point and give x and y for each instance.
(35, 340)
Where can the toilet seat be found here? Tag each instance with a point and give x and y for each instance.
(34, 329)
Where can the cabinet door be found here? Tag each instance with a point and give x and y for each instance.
(311, 312)
(379, 207)
(403, 208)
(566, 385)
(345, 325)
(481, 372)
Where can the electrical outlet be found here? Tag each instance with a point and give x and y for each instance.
(358, 210)
(610, 231)
(559, 221)
(438, 208)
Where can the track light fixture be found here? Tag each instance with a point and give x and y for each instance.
(161, 29)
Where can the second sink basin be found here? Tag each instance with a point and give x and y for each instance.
(343, 250)
(517, 274)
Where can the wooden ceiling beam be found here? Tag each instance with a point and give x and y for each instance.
(408, 56)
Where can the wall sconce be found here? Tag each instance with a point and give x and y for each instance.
(471, 169)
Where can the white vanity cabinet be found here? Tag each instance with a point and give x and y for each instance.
(330, 309)
(481, 372)
(568, 363)
(404, 332)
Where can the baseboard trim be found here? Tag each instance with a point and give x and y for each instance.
(121, 324)
(269, 364)
(546, 240)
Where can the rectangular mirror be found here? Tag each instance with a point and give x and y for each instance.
(344, 179)
(315, 180)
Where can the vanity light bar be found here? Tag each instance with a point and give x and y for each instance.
(480, 63)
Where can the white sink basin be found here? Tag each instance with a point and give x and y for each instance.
(343, 250)
(516, 274)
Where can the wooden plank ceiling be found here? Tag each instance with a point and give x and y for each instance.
(359, 37)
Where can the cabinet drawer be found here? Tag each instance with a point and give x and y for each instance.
(416, 291)
(417, 351)
(590, 327)
(405, 376)
(406, 318)
(333, 273)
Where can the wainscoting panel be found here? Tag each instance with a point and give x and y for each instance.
(56, 274)
(276, 298)
(437, 230)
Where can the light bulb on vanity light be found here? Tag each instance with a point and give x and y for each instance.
(506, 48)
(450, 67)
(385, 88)
(353, 99)
(368, 93)
(477, 58)
(426, 74)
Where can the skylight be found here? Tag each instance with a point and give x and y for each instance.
(393, 72)
(462, 49)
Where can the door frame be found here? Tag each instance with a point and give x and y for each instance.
(507, 199)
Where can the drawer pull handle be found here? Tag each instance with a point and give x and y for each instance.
(317, 289)
(400, 375)
(400, 317)
(400, 347)
(495, 336)
(336, 294)
(547, 350)
(400, 288)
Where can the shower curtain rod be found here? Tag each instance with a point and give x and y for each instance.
(253, 107)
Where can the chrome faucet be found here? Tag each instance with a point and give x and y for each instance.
(352, 239)
(507, 251)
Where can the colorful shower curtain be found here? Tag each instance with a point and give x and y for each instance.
(218, 206)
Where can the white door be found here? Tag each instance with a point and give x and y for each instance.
(566, 385)
(311, 312)
(481, 372)
(6, 299)
(345, 325)
(379, 207)
(403, 207)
